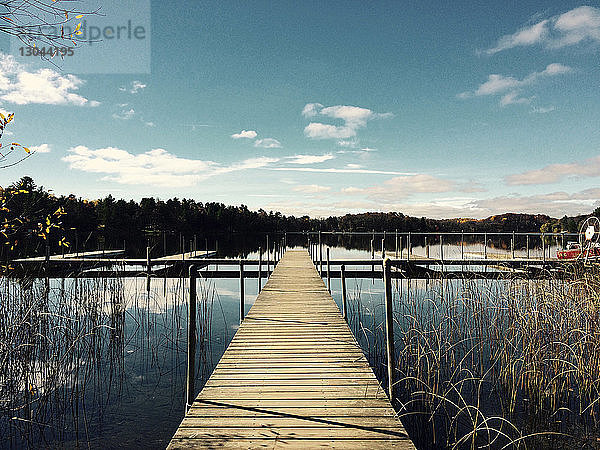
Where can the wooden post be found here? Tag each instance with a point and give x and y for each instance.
(426, 247)
(396, 243)
(372, 249)
(408, 246)
(148, 269)
(259, 269)
(462, 245)
(309, 245)
(562, 240)
(389, 325)
(328, 272)
(442, 247)
(527, 244)
(344, 304)
(196, 245)
(164, 236)
(383, 248)
(191, 341)
(242, 306)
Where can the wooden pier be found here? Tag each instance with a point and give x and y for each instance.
(293, 376)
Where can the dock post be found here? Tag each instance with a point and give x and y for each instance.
(383, 248)
(242, 306)
(344, 301)
(328, 272)
(512, 245)
(484, 245)
(543, 248)
(462, 245)
(148, 269)
(527, 244)
(268, 257)
(372, 249)
(389, 325)
(191, 341)
(396, 243)
(320, 256)
(408, 246)
(259, 269)
(426, 248)
(442, 247)
(308, 245)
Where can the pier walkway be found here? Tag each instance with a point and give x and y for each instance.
(292, 376)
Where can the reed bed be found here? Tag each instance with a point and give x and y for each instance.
(81, 360)
(491, 364)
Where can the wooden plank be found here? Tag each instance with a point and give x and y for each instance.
(293, 375)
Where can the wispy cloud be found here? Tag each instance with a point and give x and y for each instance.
(405, 186)
(124, 114)
(43, 86)
(245, 134)
(311, 189)
(571, 28)
(353, 118)
(556, 172)
(309, 159)
(42, 148)
(510, 87)
(135, 87)
(334, 170)
(155, 167)
(267, 143)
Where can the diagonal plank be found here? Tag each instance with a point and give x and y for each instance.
(293, 375)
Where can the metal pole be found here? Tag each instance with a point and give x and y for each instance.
(148, 269)
(191, 340)
(512, 245)
(242, 306)
(328, 272)
(389, 325)
(320, 256)
(344, 305)
(259, 269)
(485, 246)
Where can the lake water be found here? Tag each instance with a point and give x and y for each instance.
(103, 363)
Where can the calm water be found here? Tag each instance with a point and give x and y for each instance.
(109, 361)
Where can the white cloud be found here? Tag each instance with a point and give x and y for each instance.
(511, 87)
(556, 172)
(543, 110)
(353, 166)
(150, 124)
(309, 159)
(334, 170)
(44, 86)
(125, 114)
(353, 117)
(571, 28)
(250, 134)
(311, 109)
(155, 167)
(134, 88)
(311, 189)
(407, 185)
(267, 143)
(42, 148)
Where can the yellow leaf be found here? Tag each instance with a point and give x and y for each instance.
(2, 115)
(14, 143)
(79, 16)
(26, 149)
(79, 32)
(77, 27)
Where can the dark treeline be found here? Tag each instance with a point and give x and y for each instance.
(110, 223)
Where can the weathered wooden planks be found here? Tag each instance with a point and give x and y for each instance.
(292, 376)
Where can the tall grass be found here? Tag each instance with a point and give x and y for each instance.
(82, 356)
(493, 364)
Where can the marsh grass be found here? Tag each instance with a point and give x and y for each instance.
(492, 364)
(80, 359)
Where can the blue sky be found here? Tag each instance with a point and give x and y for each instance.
(443, 110)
